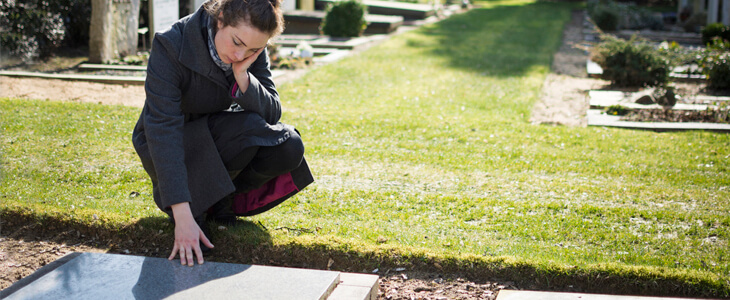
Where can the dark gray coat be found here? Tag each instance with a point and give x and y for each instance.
(172, 138)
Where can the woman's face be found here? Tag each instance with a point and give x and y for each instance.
(236, 43)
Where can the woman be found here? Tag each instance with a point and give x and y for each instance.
(209, 134)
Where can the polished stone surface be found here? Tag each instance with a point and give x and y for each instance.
(113, 276)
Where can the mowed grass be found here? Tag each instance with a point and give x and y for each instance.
(421, 148)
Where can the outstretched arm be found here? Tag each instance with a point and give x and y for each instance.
(187, 235)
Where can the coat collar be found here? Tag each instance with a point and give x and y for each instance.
(194, 52)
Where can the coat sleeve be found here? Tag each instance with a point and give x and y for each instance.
(261, 96)
(164, 121)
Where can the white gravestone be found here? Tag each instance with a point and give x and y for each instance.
(163, 13)
(289, 5)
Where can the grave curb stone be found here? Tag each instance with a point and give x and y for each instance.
(538, 295)
(596, 117)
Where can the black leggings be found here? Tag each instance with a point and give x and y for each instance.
(252, 166)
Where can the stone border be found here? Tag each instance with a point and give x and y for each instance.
(599, 100)
(595, 71)
(132, 80)
(603, 99)
(597, 117)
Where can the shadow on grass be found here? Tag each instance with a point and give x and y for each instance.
(503, 40)
(251, 243)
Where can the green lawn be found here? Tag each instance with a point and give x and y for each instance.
(424, 157)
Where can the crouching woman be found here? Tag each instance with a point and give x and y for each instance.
(209, 134)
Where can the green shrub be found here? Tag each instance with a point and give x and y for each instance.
(631, 63)
(715, 30)
(718, 72)
(344, 19)
(678, 55)
(35, 28)
(617, 110)
(715, 64)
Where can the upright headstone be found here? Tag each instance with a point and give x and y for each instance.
(713, 7)
(162, 14)
(113, 30)
(289, 5)
(195, 4)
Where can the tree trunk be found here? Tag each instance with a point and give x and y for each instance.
(100, 37)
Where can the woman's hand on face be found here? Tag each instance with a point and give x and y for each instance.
(240, 69)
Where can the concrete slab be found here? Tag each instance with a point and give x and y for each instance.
(536, 295)
(404, 9)
(308, 22)
(594, 70)
(321, 41)
(113, 276)
(132, 80)
(409, 11)
(356, 287)
(596, 117)
(599, 99)
(684, 38)
(96, 67)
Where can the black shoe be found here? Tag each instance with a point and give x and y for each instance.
(222, 212)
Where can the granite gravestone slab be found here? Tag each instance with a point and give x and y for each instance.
(113, 276)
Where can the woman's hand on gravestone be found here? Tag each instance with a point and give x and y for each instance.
(188, 236)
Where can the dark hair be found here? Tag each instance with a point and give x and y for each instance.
(264, 15)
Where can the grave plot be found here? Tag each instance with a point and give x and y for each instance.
(690, 104)
(633, 110)
(409, 11)
(308, 22)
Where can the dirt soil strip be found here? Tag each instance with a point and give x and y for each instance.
(564, 98)
(74, 91)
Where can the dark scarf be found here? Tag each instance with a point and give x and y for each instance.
(211, 46)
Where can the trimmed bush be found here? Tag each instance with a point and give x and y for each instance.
(715, 64)
(617, 110)
(718, 71)
(35, 28)
(715, 30)
(631, 63)
(344, 19)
